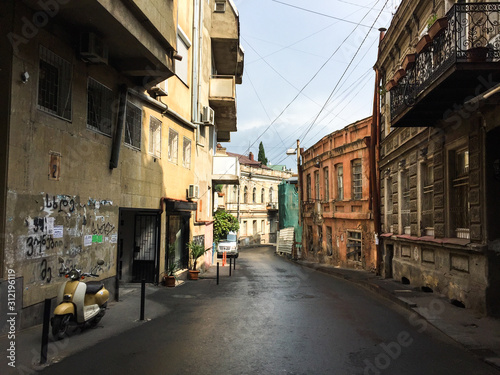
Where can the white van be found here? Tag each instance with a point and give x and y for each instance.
(228, 245)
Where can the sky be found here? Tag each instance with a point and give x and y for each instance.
(308, 71)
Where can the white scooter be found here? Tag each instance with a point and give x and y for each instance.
(78, 303)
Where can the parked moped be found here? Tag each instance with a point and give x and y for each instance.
(78, 303)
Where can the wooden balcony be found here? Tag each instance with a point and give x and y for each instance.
(461, 62)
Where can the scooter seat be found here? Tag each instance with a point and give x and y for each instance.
(93, 287)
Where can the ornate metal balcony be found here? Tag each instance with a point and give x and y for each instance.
(449, 69)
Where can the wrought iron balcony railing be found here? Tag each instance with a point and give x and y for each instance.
(471, 36)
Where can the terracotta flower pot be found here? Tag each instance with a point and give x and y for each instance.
(399, 75)
(423, 43)
(437, 27)
(477, 54)
(409, 61)
(169, 281)
(193, 274)
(390, 85)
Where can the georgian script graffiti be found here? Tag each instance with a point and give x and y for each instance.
(60, 203)
(36, 245)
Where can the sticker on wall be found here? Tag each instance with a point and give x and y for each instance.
(87, 240)
(96, 238)
(54, 165)
(114, 238)
(58, 231)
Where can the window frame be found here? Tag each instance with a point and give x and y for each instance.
(154, 143)
(106, 101)
(183, 46)
(136, 127)
(186, 152)
(356, 183)
(173, 147)
(326, 182)
(340, 181)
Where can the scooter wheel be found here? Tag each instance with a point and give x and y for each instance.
(60, 326)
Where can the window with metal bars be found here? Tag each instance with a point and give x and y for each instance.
(186, 153)
(340, 182)
(154, 136)
(459, 197)
(427, 199)
(389, 205)
(133, 125)
(173, 141)
(54, 84)
(99, 107)
(357, 180)
(354, 246)
(405, 201)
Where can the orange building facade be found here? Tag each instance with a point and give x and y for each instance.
(336, 197)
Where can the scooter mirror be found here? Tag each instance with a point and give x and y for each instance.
(100, 262)
(61, 260)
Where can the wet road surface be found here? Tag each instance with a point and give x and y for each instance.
(275, 317)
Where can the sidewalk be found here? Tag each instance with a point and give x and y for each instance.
(120, 316)
(479, 334)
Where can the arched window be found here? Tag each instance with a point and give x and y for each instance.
(271, 195)
(245, 195)
(262, 196)
(254, 195)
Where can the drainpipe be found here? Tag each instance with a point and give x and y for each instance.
(196, 64)
(120, 124)
(374, 158)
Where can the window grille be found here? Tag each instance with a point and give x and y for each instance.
(459, 206)
(133, 125)
(357, 180)
(340, 183)
(54, 84)
(173, 141)
(154, 136)
(354, 246)
(186, 153)
(99, 107)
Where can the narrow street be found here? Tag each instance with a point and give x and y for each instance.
(274, 317)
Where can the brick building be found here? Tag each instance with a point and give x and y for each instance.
(337, 214)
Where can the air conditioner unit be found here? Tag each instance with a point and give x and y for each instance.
(193, 191)
(93, 49)
(208, 116)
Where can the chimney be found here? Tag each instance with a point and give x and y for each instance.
(250, 156)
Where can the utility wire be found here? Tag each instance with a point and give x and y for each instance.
(324, 15)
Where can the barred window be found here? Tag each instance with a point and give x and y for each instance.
(389, 205)
(354, 246)
(133, 125)
(99, 105)
(427, 197)
(186, 153)
(357, 180)
(54, 84)
(173, 141)
(154, 136)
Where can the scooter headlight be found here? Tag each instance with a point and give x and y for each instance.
(74, 275)
(67, 298)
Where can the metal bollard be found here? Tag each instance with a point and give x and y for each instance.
(143, 297)
(230, 265)
(45, 331)
(217, 273)
(234, 264)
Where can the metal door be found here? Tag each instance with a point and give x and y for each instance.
(145, 260)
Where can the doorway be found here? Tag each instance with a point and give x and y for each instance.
(138, 246)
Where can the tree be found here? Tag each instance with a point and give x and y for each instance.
(262, 154)
(223, 224)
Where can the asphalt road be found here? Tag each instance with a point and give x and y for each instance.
(275, 317)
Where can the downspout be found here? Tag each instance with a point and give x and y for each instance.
(120, 124)
(196, 66)
(374, 156)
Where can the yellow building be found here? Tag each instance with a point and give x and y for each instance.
(107, 136)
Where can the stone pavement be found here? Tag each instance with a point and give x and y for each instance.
(478, 334)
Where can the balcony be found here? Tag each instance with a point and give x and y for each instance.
(226, 170)
(225, 35)
(223, 100)
(459, 63)
(140, 34)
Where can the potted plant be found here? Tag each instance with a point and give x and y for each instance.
(436, 25)
(196, 251)
(218, 189)
(169, 277)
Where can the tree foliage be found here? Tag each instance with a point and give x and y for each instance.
(262, 154)
(223, 224)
